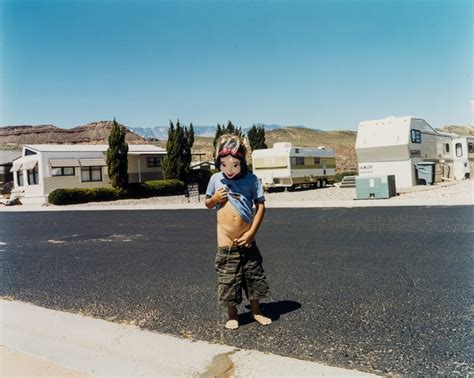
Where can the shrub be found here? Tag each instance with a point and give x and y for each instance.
(81, 195)
(135, 190)
(172, 187)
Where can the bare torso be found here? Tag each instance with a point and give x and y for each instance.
(230, 225)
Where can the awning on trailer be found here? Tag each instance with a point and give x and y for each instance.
(16, 166)
(92, 162)
(63, 162)
(29, 164)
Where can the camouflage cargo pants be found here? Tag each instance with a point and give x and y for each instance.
(238, 269)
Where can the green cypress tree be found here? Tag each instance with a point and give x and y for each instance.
(176, 164)
(188, 144)
(217, 136)
(170, 160)
(256, 137)
(181, 151)
(117, 156)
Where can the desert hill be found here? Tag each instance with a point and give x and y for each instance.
(93, 133)
(343, 142)
(460, 130)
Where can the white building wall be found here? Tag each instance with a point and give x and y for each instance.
(33, 191)
(403, 170)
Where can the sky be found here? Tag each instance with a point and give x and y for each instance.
(322, 64)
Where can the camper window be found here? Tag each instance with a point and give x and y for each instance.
(297, 161)
(317, 160)
(446, 148)
(415, 136)
(458, 149)
(470, 148)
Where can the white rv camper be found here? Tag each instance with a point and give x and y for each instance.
(393, 146)
(287, 166)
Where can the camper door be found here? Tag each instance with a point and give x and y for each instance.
(461, 159)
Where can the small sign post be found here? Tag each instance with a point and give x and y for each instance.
(193, 190)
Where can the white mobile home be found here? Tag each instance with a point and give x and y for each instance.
(287, 166)
(43, 168)
(393, 146)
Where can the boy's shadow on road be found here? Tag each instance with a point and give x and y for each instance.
(273, 310)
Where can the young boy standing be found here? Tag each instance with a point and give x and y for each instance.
(234, 191)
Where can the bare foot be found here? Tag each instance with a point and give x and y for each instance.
(231, 324)
(263, 320)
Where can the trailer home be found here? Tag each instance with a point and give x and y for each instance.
(394, 145)
(288, 167)
(43, 168)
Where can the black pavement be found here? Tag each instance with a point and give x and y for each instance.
(384, 290)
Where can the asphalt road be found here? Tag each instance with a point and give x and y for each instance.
(384, 290)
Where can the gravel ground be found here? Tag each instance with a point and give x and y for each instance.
(440, 191)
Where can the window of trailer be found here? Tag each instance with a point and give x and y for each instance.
(19, 177)
(153, 162)
(458, 149)
(415, 136)
(63, 171)
(297, 160)
(33, 176)
(89, 174)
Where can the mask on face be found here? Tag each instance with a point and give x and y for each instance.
(230, 166)
(233, 146)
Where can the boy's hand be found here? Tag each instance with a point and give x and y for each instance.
(245, 240)
(220, 196)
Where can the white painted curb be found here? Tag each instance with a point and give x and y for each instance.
(101, 348)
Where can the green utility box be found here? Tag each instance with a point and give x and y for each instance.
(376, 187)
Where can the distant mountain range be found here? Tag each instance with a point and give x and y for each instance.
(161, 132)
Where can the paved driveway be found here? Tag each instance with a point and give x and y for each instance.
(385, 290)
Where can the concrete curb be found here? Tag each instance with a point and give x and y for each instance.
(97, 347)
